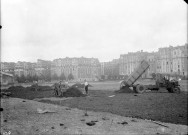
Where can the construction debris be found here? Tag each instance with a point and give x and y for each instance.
(61, 124)
(123, 123)
(1, 109)
(91, 123)
(41, 111)
(111, 96)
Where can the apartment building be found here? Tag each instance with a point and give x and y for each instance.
(165, 60)
(19, 69)
(42, 68)
(81, 68)
(110, 68)
(24, 68)
(128, 62)
(8, 67)
(152, 60)
(173, 60)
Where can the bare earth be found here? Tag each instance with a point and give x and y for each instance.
(108, 112)
(20, 117)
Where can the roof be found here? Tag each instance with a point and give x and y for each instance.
(4, 73)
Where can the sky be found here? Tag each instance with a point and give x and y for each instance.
(103, 29)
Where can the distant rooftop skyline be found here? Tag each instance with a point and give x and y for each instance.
(103, 29)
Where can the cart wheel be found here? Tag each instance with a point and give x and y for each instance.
(134, 89)
(176, 90)
(140, 88)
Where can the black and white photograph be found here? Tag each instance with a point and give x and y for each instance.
(93, 67)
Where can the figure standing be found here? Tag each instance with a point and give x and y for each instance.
(86, 87)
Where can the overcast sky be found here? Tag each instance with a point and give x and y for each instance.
(104, 29)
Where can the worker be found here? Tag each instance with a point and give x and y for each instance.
(86, 87)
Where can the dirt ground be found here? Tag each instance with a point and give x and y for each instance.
(24, 117)
(161, 106)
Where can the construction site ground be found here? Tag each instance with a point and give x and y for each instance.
(101, 112)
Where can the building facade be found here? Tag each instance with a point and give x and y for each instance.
(42, 69)
(6, 78)
(110, 69)
(128, 62)
(173, 60)
(24, 68)
(168, 60)
(152, 61)
(81, 68)
(8, 67)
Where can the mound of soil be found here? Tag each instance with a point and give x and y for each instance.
(16, 88)
(32, 87)
(73, 92)
(79, 85)
(40, 88)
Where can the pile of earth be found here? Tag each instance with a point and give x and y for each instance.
(32, 88)
(73, 92)
(42, 91)
(39, 88)
(80, 85)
